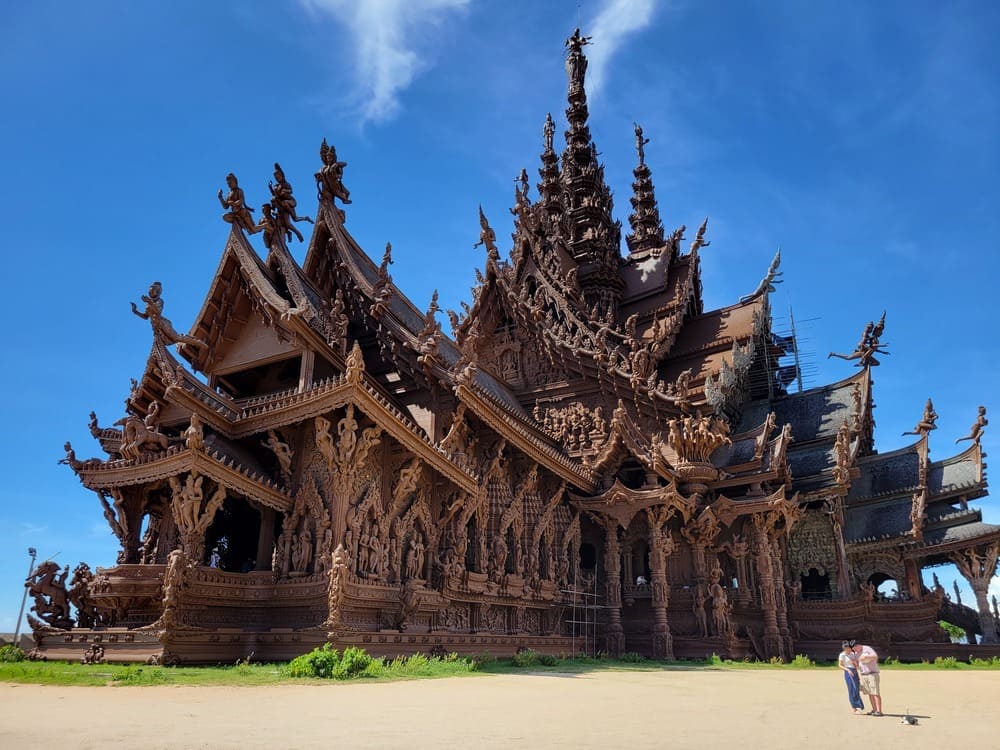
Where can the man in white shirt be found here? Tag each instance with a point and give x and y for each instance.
(868, 667)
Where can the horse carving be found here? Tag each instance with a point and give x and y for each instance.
(47, 585)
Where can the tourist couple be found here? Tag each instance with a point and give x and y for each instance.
(860, 666)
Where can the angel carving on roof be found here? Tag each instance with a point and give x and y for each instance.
(330, 177)
(163, 330)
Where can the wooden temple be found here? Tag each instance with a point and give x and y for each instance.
(590, 462)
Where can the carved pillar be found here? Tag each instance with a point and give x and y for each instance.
(914, 583)
(978, 565)
(613, 587)
(765, 580)
(306, 369)
(780, 599)
(265, 542)
(843, 579)
(661, 545)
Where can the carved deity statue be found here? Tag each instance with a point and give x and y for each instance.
(268, 224)
(330, 177)
(238, 212)
(700, 598)
(194, 435)
(284, 204)
(302, 550)
(338, 586)
(927, 423)
(976, 431)
(868, 346)
(163, 330)
(576, 63)
(87, 615)
(720, 609)
(487, 236)
(640, 142)
(282, 452)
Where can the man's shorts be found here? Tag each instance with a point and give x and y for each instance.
(869, 684)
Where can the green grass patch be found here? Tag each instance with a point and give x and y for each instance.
(326, 665)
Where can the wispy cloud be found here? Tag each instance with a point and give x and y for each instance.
(384, 37)
(616, 21)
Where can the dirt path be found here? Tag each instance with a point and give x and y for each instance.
(676, 709)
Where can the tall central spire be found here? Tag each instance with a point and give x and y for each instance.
(595, 237)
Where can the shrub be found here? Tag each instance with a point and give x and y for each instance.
(482, 661)
(353, 662)
(802, 661)
(775, 660)
(946, 662)
(633, 658)
(715, 660)
(525, 658)
(10, 652)
(320, 662)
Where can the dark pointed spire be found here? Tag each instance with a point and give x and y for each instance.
(647, 229)
(594, 236)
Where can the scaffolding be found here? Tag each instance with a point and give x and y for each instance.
(585, 611)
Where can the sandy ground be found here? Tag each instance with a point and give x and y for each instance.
(676, 709)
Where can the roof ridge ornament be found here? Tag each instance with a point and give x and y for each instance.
(163, 331)
(868, 346)
(239, 212)
(284, 204)
(976, 431)
(330, 179)
(927, 422)
(766, 284)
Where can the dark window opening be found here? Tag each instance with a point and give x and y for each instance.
(234, 535)
(815, 587)
(261, 380)
(632, 475)
(323, 369)
(588, 556)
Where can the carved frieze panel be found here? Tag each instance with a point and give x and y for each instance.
(812, 544)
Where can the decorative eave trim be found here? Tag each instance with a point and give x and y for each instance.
(621, 503)
(532, 446)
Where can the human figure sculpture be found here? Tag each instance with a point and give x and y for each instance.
(282, 452)
(720, 609)
(302, 550)
(194, 435)
(700, 598)
(548, 131)
(576, 63)
(238, 213)
(284, 204)
(269, 225)
(976, 431)
(927, 422)
(163, 330)
(868, 346)
(487, 236)
(329, 179)
(640, 142)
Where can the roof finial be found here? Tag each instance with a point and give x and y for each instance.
(576, 63)
(548, 130)
(640, 142)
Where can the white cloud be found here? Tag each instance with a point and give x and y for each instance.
(385, 36)
(615, 23)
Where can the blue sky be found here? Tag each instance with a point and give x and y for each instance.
(860, 137)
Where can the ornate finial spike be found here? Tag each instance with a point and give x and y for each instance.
(487, 237)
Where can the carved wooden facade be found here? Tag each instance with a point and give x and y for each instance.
(589, 440)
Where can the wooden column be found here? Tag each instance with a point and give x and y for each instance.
(660, 546)
(265, 542)
(613, 587)
(306, 369)
(765, 579)
(978, 565)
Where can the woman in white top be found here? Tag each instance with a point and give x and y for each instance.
(849, 666)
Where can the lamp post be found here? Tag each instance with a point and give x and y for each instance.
(31, 566)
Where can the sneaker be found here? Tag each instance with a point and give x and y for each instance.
(877, 713)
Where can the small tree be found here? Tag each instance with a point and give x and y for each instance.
(955, 633)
